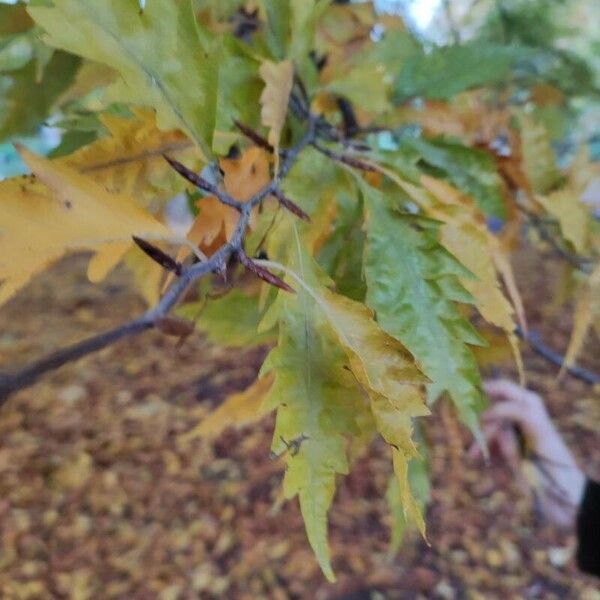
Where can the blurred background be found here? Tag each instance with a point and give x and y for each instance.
(99, 498)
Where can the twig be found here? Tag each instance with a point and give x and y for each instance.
(536, 343)
(253, 136)
(351, 161)
(204, 185)
(10, 383)
(581, 263)
(217, 263)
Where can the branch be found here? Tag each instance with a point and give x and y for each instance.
(582, 263)
(536, 343)
(10, 383)
(217, 263)
(346, 159)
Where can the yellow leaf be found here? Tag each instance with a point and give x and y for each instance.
(42, 219)
(147, 274)
(467, 237)
(410, 505)
(380, 363)
(587, 309)
(130, 160)
(471, 243)
(278, 78)
(236, 411)
(105, 259)
(539, 160)
(243, 177)
(572, 215)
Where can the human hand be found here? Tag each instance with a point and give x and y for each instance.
(515, 411)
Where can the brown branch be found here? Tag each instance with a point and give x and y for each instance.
(158, 256)
(253, 136)
(291, 206)
(203, 184)
(351, 161)
(536, 343)
(217, 263)
(27, 376)
(582, 263)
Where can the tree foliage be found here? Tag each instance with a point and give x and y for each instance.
(375, 186)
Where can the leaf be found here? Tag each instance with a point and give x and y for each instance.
(587, 311)
(26, 100)
(239, 92)
(341, 255)
(278, 78)
(418, 478)
(316, 401)
(14, 19)
(277, 24)
(231, 320)
(380, 363)
(215, 223)
(572, 215)
(237, 410)
(413, 286)
(129, 160)
(449, 70)
(475, 247)
(158, 54)
(539, 160)
(382, 367)
(352, 86)
(470, 170)
(64, 211)
(147, 275)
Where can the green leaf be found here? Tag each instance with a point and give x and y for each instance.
(324, 337)
(231, 320)
(418, 478)
(25, 100)
(539, 159)
(14, 19)
(447, 71)
(277, 27)
(158, 54)
(472, 171)
(290, 27)
(413, 286)
(317, 401)
(364, 86)
(239, 91)
(341, 255)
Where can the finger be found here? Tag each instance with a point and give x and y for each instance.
(509, 410)
(490, 432)
(508, 447)
(506, 390)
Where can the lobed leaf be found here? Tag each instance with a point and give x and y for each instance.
(278, 78)
(42, 219)
(413, 286)
(164, 60)
(237, 410)
(449, 70)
